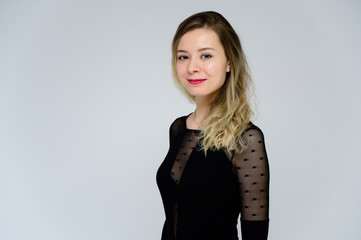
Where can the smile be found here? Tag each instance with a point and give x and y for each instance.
(196, 81)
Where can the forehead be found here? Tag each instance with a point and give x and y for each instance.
(200, 38)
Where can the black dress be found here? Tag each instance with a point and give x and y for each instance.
(204, 195)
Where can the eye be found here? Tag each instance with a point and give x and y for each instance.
(182, 57)
(206, 56)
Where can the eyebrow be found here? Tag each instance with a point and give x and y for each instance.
(199, 50)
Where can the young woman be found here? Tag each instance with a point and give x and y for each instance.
(216, 167)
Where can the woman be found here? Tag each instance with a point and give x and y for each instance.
(216, 167)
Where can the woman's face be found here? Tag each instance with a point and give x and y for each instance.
(201, 63)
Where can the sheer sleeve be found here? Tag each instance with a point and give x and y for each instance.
(252, 170)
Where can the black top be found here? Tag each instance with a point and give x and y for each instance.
(203, 195)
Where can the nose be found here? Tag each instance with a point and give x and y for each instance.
(193, 66)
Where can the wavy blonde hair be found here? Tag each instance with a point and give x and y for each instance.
(230, 111)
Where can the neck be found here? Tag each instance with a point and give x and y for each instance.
(203, 106)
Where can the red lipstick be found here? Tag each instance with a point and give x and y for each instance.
(196, 81)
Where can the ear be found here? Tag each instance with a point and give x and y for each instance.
(228, 66)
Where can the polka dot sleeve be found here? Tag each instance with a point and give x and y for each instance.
(253, 177)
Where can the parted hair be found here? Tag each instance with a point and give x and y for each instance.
(230, 112)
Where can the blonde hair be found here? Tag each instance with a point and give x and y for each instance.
(230, 112)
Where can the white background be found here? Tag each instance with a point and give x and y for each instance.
(86, 100)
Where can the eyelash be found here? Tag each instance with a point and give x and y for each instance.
(182, 57)
(204, 56)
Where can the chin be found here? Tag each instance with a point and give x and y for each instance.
(194, 93)
(199, 94)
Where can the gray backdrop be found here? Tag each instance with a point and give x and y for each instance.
(86, 100)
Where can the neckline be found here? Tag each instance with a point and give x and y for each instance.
(193, 130)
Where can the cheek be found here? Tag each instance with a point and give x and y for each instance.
(180, 69)
(210, 68)
(215, 69)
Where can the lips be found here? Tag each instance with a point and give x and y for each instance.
(196, 81)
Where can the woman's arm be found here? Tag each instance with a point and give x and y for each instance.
(253, 177)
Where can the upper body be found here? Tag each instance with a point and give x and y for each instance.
(203, 195)
(217, 166)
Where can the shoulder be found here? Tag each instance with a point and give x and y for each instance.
(253, 133)
(251, 127)
(178, 123)
(178, 126)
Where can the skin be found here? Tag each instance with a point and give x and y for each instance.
(201, 55)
